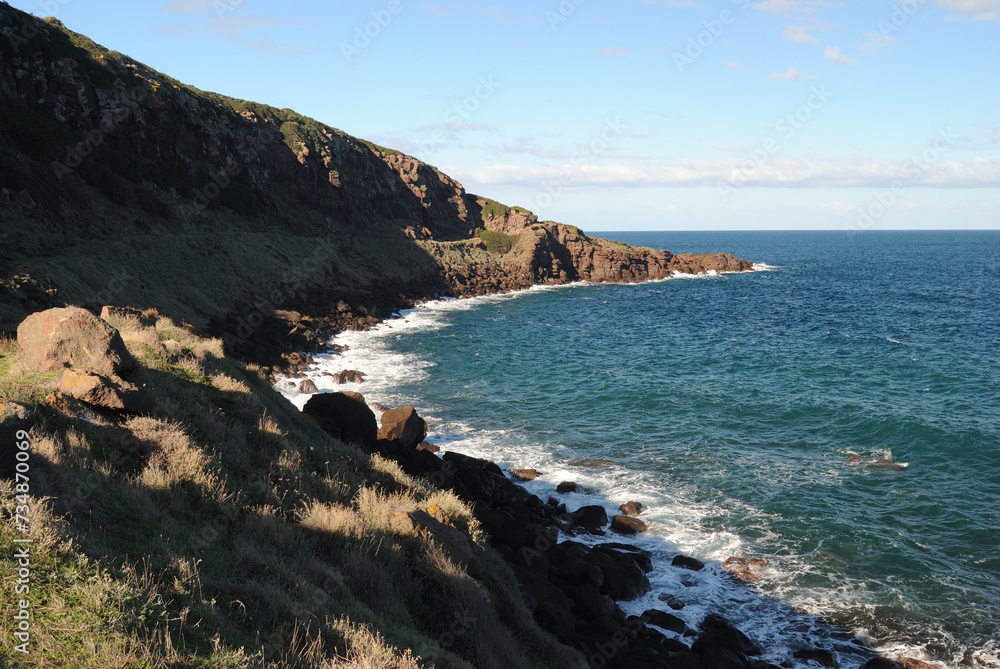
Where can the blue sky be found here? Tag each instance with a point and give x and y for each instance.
(626, 115)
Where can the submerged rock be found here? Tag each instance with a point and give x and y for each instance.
(631, 508)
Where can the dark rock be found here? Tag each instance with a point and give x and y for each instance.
(686, 562)
(717, 632)
(589, 601)
(403, 425)
(345, 416)
(631, 508)
(714, 657)
(590, 517)
(72, 337)
(671, 601)
(667, 621)
(308, 386)
(627, 525)
(685, 659)
(524, 474)
(623, 579)
(578, 571)
(820, 655)
(642, 558)
(567, 486)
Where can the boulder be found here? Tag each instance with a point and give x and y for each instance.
(72, 337)
(308, 386)
(403, 425)
(623, 579)
(524, 474)
(104, 392)
(667, 621)
(424, 446)
(632, 509)
(642, 558)
(345, 416)
(627, 525)
(821, 655)
(591, 517)
(686, 562)
(717, 632)
(348, 376)
(567, 486)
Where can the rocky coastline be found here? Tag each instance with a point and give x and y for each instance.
(573, 589)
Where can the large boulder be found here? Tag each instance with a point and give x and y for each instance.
(72, 337)
(627, 525)
(104, 392)
(719, 633)
(345, 416)
(404, 426)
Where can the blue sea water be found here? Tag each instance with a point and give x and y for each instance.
(730, 406)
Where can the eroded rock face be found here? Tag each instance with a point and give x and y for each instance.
(72, 337)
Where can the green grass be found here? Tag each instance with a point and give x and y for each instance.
(497, 242)
(229, 531)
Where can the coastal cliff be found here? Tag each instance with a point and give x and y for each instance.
(119, 184)
(188, 512)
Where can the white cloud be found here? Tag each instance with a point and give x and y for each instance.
(833, 54)
(977, 10)
(778, 173)
(800, 34)
(791, 75)
(876, 42)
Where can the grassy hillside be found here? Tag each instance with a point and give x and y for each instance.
(228, 530)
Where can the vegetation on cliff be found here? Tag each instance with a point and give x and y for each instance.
(228, 530)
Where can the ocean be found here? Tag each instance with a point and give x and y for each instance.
(730, 406)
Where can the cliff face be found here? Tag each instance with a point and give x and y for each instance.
(119, 184)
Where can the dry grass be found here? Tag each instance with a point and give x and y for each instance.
(228, 531)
